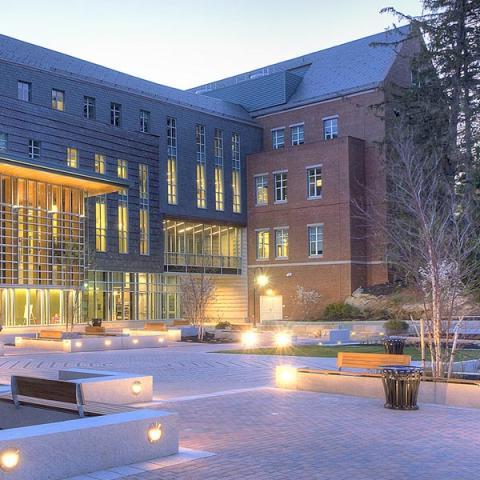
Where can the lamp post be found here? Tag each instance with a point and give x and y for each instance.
(261, 280)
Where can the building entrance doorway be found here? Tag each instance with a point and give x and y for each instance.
(271, 307)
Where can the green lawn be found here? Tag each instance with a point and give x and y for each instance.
(331, 352)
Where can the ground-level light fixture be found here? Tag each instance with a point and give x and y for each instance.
(249, 339)
(137, 388)
(283, 340)
(78, 344)
(9, 459)
(154, 433)
(108, 343)
(161, 340)
(286, 376)
(135, 341)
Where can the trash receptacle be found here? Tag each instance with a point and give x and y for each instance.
(401, 384)
(394, 345)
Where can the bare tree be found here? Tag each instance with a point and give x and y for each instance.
(430, 239)
(197, 292)
(308, 299)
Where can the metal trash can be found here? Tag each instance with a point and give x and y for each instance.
(401, 384)
(394, 345)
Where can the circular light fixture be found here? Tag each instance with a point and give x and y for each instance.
(262, 280)
(286, 375)
(154, 433)
(137, 388)
(283, 340)
(78, 344)
(161, 340)
(249, 339)
(108, 343)
(135, 341)
(9, 459)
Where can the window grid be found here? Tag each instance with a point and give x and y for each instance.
(172, 161)
(144, 121)
(100, 162)
(101, 223)
(314, 182)
(261, 190)
(144, 210)
(297, 134)
(281, 242)
(330, 128)
(34, 147)
(281, 188)
(24, 91)
(263, 244)
(278, 138)
(122, 169)
(201, 166)
(89, 108)
(219, 174)
(72, 157)
(115, 114)
(3, 141)
(58, 100)
(236, 174)
(315, 240)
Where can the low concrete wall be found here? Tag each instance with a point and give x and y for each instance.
(442, 393)
(64, 449)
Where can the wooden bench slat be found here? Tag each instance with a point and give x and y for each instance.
(50, 335)
(370, 361)
(155, 327)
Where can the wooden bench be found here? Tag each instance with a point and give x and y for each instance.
(45, 389)
(370, 361)
(89, 330)
(178, 323)
(155, 327)
(50, 335)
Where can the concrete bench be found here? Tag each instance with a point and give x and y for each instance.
(370, 361)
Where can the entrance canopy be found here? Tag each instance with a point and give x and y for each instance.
(92, 183)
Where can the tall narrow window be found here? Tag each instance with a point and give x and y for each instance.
(261, 190)
(58, 100)
(263, 244)
(3, 141)
(219, 183)
(34, 148)
(100, 163)
(101, 223)
(236, 174)
(281, 242)
(201, 167)
(278, 138)
(122, 171)
(314, 182)
(297, 134)
(24, 91)
(144, 210)
(315, 240)
(171, 161)
(144, 121)
(281, 189)
(89, 108)
(115, 114)
(72, 157)
(330, 128)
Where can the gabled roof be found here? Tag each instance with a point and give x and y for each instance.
(27, 54)
(348, 68)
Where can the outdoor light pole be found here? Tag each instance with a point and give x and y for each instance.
(261, 280)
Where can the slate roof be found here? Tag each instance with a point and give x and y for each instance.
(27, 54)
(348, 68)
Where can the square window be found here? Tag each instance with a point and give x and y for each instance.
(34, 148)
(330, 128)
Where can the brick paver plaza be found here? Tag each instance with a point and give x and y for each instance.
(227, 406)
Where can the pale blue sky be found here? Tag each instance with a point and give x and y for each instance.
(183, 43)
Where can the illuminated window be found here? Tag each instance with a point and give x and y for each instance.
(100, 162)
(143, 181)
(58, 100)
(297, 134)
(278, 138)
(144, 121)
(236, 175)
(144, 232)
(314, 182)
(115, 114)
(263, 244)
(89, 108)
(34, 147)
(281, 190)
(219, 176)
(122, 169)
(315, 240)
(72, 157)
(3, 141)
(101, 223)
(24, 91)
(261, 190)
(201, 166)
(281, 242)
(171, 161)
(330, 128)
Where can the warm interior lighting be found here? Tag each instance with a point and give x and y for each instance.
(262, 280)
(108, 343)
(154, 433)
(9, 459)
(286, 376)
(249, 339)
(136, 388)
(283, 340)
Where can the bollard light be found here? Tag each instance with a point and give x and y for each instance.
(161, 340)
(108, 343)
(154, 433)
(135, 341)
(78, 344)
(137, 388)
(283, 340)
(9, 459)
(286, 376)
(249, 339)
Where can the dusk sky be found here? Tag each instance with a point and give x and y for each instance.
(185, 43)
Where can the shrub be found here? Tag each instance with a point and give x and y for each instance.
(223, 325)
(395, 326)
(341, 311)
